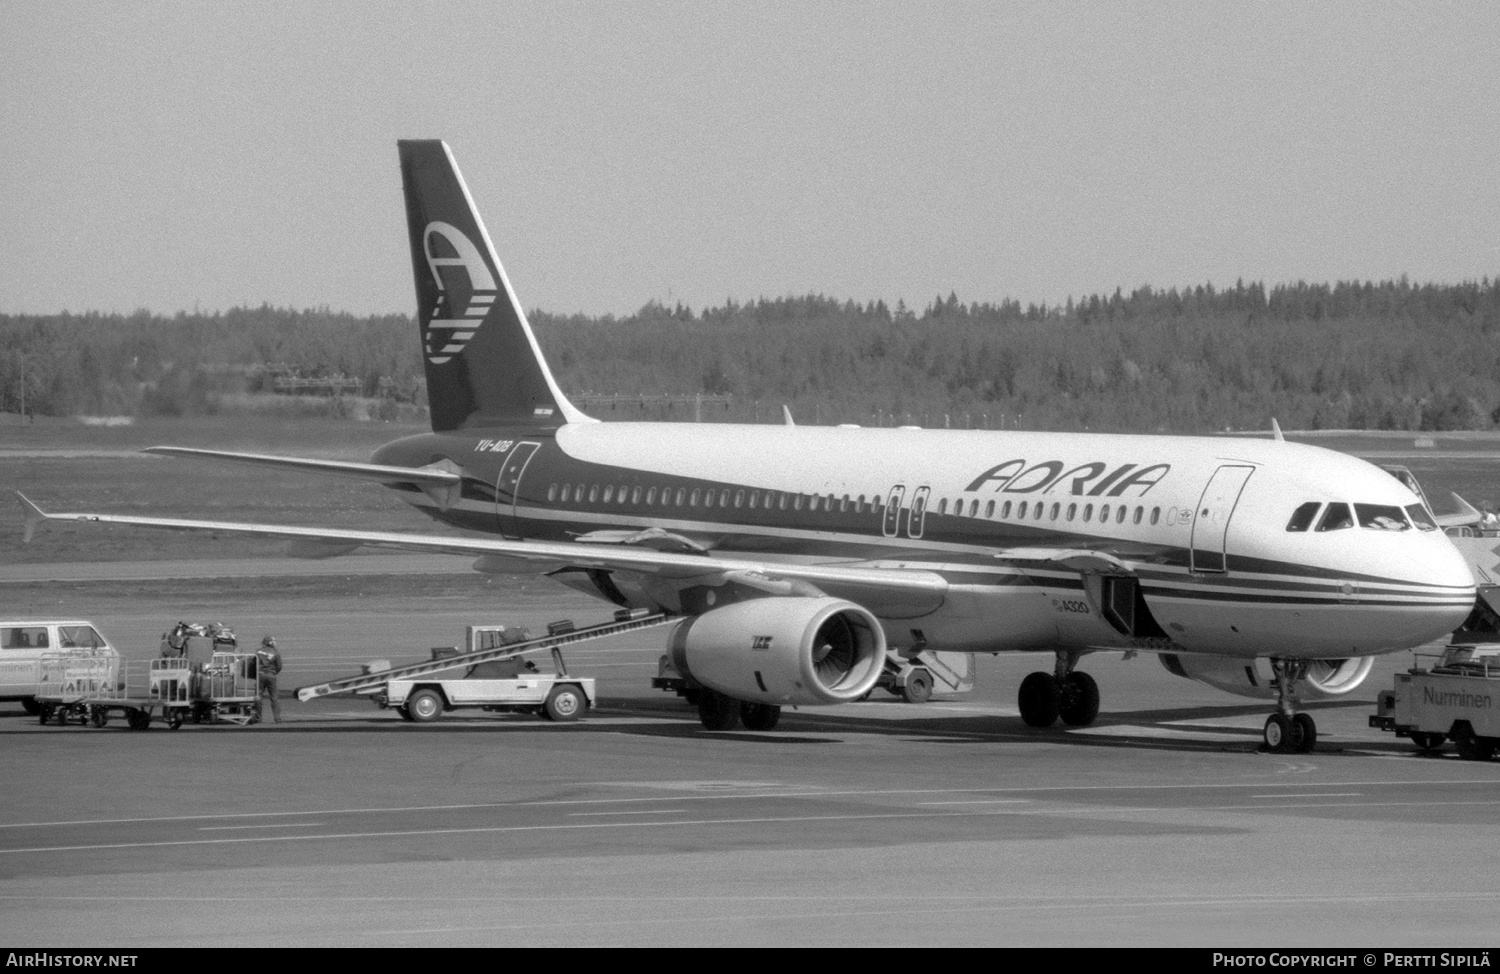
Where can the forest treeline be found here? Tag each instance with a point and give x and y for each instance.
(1391, 355)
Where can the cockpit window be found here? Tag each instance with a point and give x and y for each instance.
(1420, 517)
(1382, 517)
(1302, 517)
(1336, 518)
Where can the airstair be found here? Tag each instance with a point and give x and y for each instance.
(374, 681)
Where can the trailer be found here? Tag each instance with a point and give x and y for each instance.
(222, 689)
(1457, 699)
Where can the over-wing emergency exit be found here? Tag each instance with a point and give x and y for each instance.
(796, 555)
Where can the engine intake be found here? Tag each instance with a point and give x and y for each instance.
(784, 650)
(1253, 678)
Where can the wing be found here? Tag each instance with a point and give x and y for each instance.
(876, 583)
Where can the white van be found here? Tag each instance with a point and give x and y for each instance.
(23, 644)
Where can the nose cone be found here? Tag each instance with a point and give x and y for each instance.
(1447, 578)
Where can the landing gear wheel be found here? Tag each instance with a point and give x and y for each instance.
(1078, 703)
(1038, 699)
(425, 706)
(30, 705)
(1304, 733)
(44, 713)
(138, 719)
(1428, 742)
(98, 716)
(563, 704)
(918, 687)
(760, 716)
(175, 718)
(716, 711)
(1278, 733)
(1472, 748)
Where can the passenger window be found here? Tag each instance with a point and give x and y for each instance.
(650, 495)
(739, 498)
(1139, 511)
(1420, 517)
(622, 493)
(724, 498)
(1088, 512)
(551, 493)
(1021, 511)
(681, 495)
(989, 509)
(1056, 508)
(1302, 517)
(635, 496)
(943, 506)
(1120, 515)
(609, 493)
(974, 508)
(1072, 510)
(593, 493)
(1336, 518)
(1381, 517)
(754, 499)
(812, 503)
(1155, 515)
(1104, 514)
(1005, 510)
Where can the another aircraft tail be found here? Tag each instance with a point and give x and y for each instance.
(484, 367)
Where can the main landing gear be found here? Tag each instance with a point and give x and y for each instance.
(721, 712)
(1065, 693)
(1288, 732)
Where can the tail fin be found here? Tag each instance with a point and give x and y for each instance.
(483, 363)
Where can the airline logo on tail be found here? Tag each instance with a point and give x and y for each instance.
(449, 328)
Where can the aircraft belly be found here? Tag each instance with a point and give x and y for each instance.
(1323, 630)
(982, 619)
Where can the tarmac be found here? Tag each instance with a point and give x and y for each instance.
(878, 823)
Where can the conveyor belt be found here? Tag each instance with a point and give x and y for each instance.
(367, 681)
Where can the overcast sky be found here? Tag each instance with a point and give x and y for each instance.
(206, 155)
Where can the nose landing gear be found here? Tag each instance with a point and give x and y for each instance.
(1286, 731)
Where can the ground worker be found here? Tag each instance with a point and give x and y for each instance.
(268, 664)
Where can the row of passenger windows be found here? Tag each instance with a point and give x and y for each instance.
(699, 497)
(846, 503)
(1039, 510)
(1381, 517)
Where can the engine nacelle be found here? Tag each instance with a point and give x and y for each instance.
(1253, 678)
(783, 650)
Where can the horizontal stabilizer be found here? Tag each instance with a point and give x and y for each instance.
(424, 477)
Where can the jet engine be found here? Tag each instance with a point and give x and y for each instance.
(1253, 678)
(783, 650)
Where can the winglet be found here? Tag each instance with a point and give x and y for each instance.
(1276, 431)
(34, 516)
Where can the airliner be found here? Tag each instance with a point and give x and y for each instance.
(797, 556)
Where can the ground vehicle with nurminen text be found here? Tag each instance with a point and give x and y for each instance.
(1457, 699)
(24, 644)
